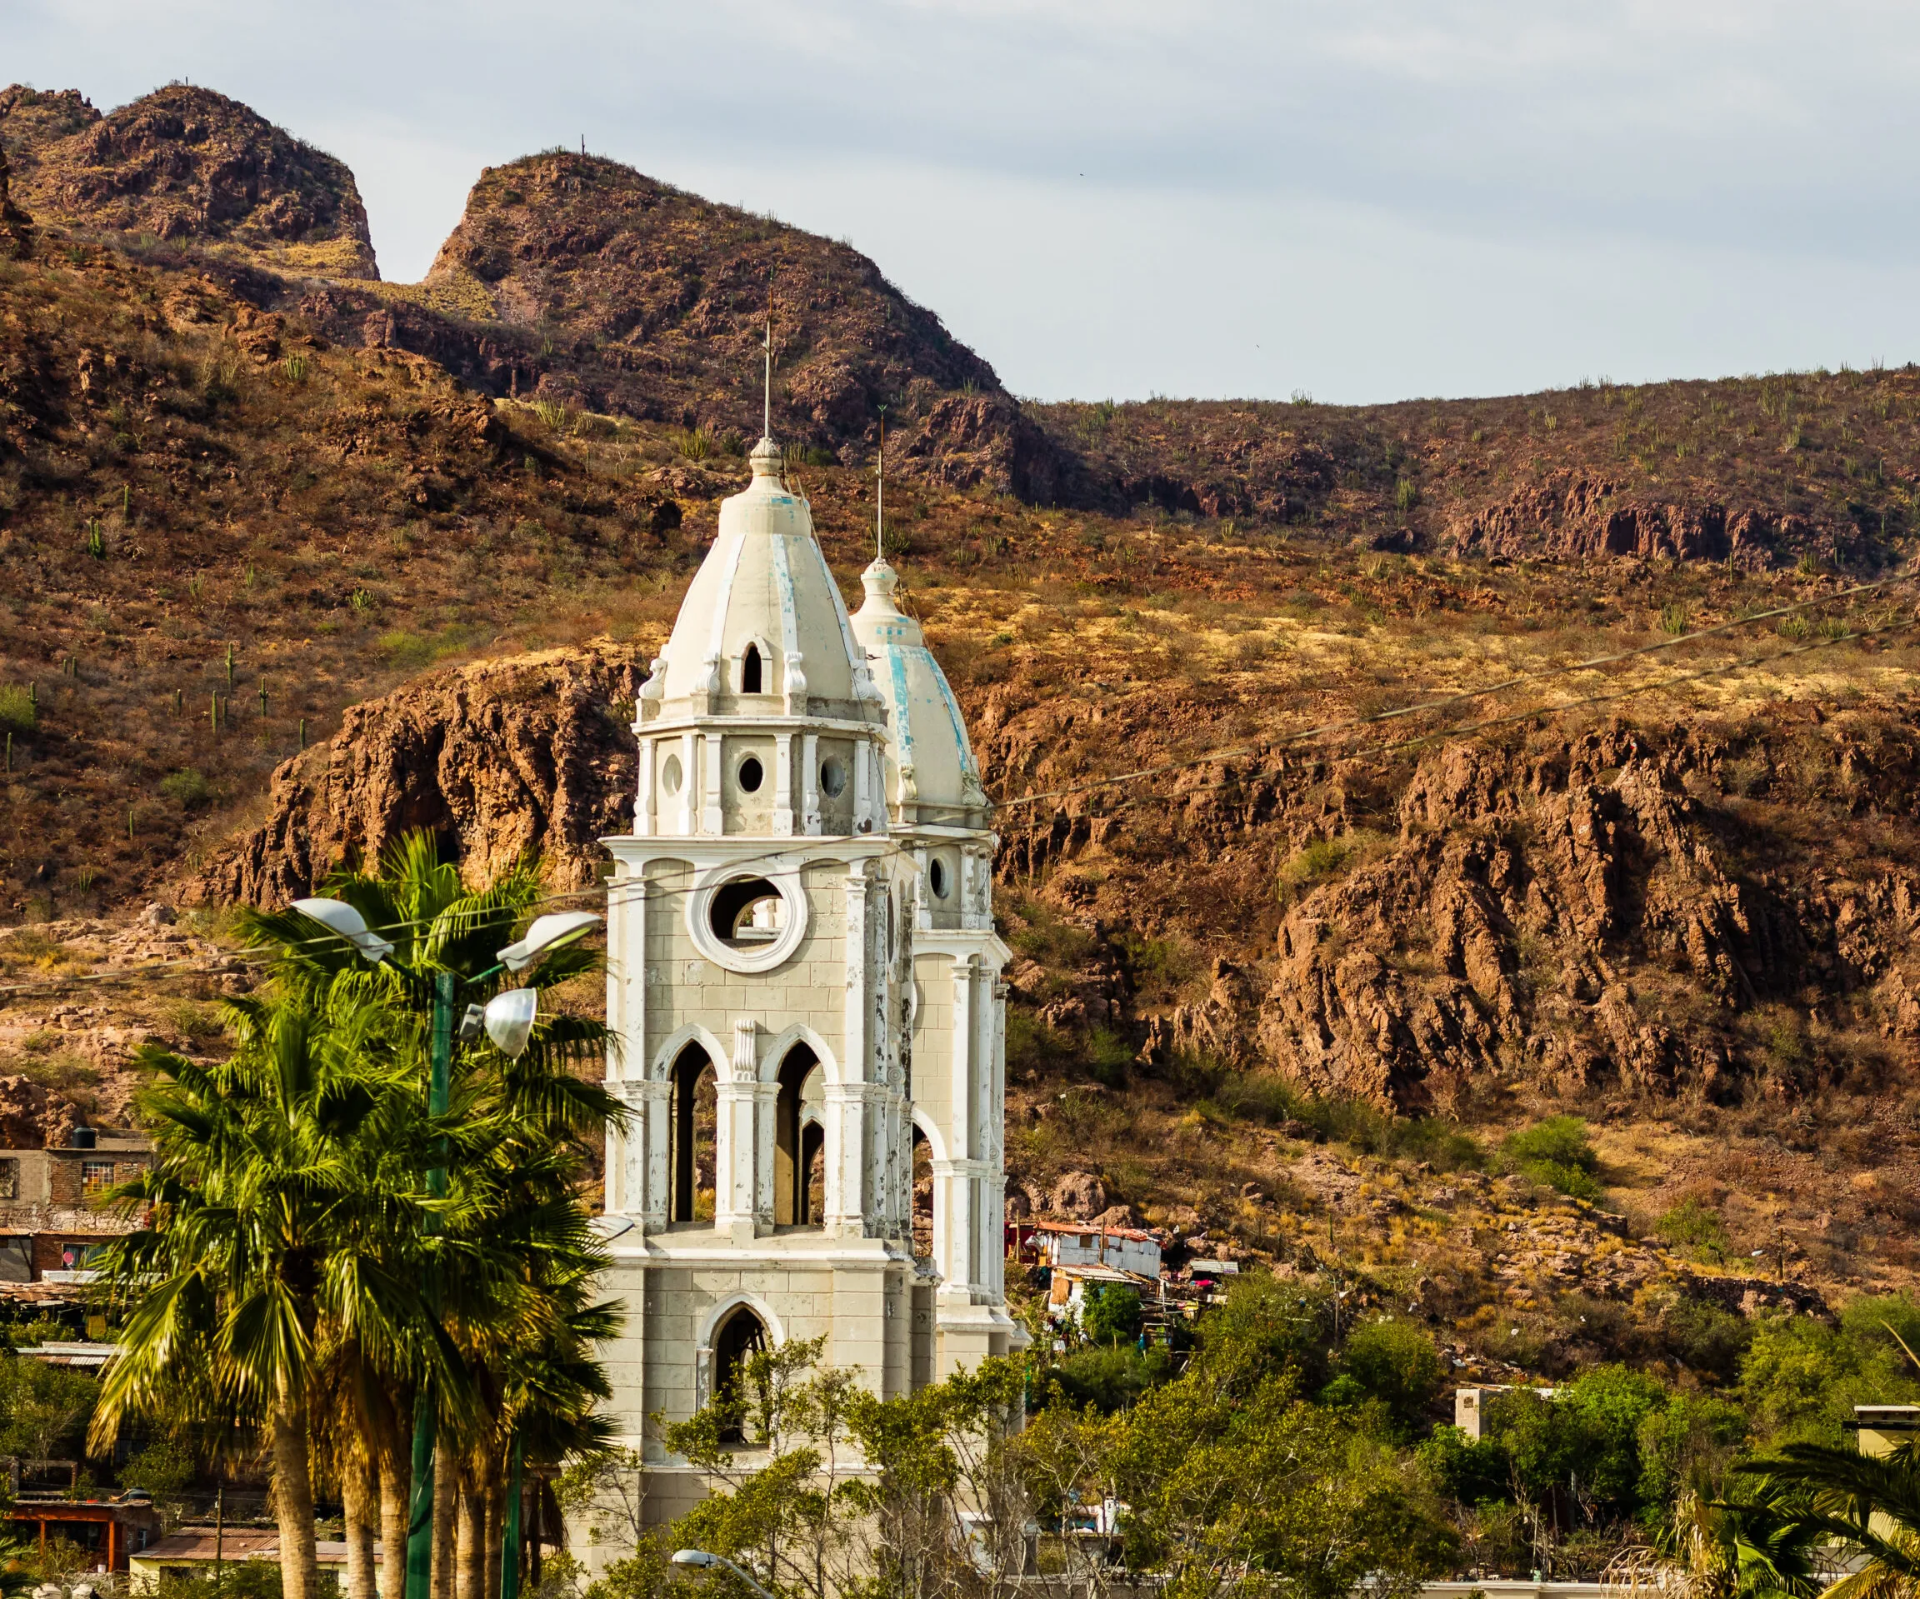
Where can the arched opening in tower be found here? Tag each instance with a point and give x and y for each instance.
(750, 670)
(922, 1196)
(798, 1141)
(740, 1337)
(695, 1120)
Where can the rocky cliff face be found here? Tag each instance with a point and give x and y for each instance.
(504, 758)
(189, 165)
(1708, 911)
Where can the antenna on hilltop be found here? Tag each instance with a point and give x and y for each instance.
(766, 405)
(880, 502)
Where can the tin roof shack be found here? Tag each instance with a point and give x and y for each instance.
(194, 1551)
(1125, 1249)
(52, 1210)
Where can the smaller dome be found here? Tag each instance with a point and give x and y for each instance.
(763, 615)
(930, 762)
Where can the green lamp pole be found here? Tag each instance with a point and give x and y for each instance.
(508, 1020)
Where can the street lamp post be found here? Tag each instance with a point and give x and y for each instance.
(701, 1560)
(507, 1019)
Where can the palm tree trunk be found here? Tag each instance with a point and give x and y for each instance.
(446, 1494)
(473, 1536)
(495, 1489)
(395, 1512)
(293, 1499)
(359, 1500)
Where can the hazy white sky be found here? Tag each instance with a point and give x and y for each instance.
(1364, 199)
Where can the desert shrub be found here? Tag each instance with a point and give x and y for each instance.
(1696, 1226)
(63, 1070)
(1706, 1338)
(194, 1021)
(187, 788)
(1556, 1153)
(18, 714)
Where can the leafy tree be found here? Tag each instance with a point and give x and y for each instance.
(1800, 1378)
(1396, 1363)
(1110, 1313)
(44, 1409)
(1107, 1379)
(1475, 1471)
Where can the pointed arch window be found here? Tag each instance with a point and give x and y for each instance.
(751, 670)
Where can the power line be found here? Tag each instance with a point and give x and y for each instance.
(653, 888)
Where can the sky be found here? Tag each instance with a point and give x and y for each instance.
(1359, 200)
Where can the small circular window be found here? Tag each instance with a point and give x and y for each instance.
(745, 923)
(751, 776)
(747, 913)
(937, 878)
(833, 778)
(670, 774)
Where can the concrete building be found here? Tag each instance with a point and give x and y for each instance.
(53, 1213)
(803, 982)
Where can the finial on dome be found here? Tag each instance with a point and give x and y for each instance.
(765, 459)
(880, 580)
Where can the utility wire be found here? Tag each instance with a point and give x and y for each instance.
(653, 888)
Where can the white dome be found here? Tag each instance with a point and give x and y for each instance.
(764, 602)
(930, 762)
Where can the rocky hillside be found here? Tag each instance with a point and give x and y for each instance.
(187, 165)
(293, 563)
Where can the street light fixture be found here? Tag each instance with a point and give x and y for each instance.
(337, 916)
(507, 1019)
(701, 1560)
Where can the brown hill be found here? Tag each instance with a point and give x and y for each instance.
(1754, 470)
(186, 164)
(577, 279)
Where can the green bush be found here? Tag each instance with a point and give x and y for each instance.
(18, 714)
(1555, 1152)
(1475, 1471)
(1109, 1377)
(187, 788)
(1396, 1363)
(1694, 1225)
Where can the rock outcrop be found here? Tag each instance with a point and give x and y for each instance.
(507, 759)
(189, 165)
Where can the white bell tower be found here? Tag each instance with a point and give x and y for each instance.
(787, 938)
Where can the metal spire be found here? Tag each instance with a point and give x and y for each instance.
(766, 407)
(880, 502)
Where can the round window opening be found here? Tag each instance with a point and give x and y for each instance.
(833, 778)
(747, 913)
(751, 775)
(937, 879)
(670, 775)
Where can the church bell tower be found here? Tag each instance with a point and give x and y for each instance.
(803, 994)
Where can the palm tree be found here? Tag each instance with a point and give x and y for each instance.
(513, 1258)
(245, 1267)
(1869, 1505)
(1753, 1544)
